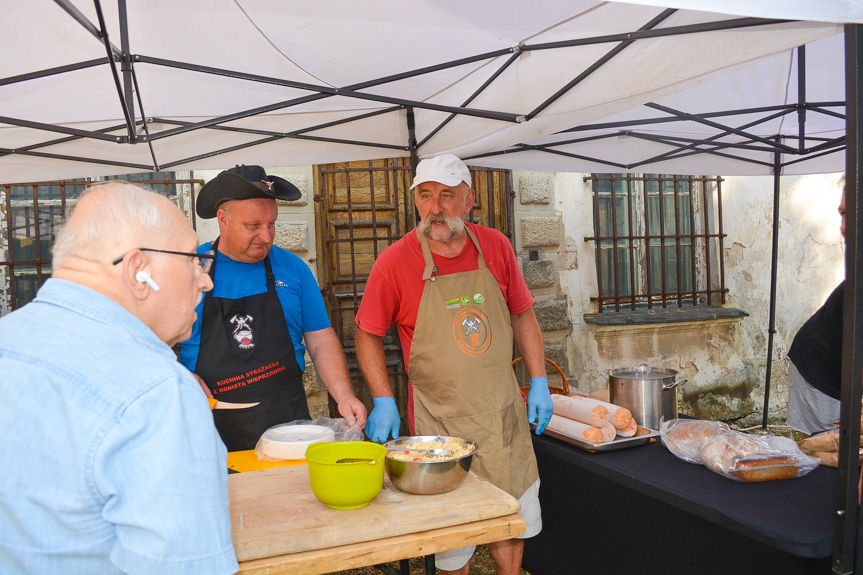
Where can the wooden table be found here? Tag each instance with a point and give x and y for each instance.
(279, 526)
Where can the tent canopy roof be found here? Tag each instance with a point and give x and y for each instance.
(206, 84)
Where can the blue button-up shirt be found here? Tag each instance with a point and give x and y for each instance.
(110, 459)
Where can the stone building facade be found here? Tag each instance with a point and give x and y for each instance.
(723, 358)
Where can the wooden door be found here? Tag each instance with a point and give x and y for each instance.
(361, 208)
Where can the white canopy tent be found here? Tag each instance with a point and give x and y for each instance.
(687, 86)
(727, 125)
(206, 84)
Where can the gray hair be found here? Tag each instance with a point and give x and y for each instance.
(841, 182)
(124, 211)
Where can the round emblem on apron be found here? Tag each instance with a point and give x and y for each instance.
(471, 331)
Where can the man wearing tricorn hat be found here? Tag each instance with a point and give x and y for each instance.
(247, 346)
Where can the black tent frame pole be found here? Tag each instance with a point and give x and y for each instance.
(127, 92)
(774, 257)
(412, 146)
(848, 536)
(109, 48)
(126, 86)
(801, 98)
(412, 141)
(94, 31)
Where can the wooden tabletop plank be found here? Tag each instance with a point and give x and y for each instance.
(391, 549)
(274, 512)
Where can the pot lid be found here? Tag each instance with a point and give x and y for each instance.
(643, 371)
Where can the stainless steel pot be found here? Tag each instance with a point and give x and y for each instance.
(650, 393)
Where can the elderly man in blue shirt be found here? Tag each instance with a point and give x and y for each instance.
(111, 461)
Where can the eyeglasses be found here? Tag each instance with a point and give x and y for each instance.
(205, 260)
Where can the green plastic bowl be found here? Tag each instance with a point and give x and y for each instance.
(346, 485)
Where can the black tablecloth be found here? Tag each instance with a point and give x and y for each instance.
(643, 508)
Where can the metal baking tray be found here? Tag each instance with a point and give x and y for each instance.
(641, 437)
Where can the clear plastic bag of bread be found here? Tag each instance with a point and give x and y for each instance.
(737, 455)
(683, 437)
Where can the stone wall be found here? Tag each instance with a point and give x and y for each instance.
(540, 248)
(724, 359)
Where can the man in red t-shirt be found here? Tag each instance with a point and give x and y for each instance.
(457, 296)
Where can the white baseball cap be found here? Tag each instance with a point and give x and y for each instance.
(446, 169)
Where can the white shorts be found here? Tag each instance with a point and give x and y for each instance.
(809, 410)
(455, 559)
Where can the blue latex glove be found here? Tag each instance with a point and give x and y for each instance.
(384, 420)
(539, 405)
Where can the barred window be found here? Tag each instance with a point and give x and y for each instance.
(658, 241)
(30, 216)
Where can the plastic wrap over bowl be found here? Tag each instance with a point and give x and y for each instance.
(428, 477)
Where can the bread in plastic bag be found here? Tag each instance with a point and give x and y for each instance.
(288, 441)
(734, 454)
(682, 436)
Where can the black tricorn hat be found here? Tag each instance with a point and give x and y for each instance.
(242, 183)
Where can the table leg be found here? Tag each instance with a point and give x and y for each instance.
(390, 570)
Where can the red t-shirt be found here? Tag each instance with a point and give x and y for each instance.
(395, 285)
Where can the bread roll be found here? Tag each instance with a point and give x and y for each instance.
(765, 469)
(738, 455)
(608, 432)
(629, 431)
(621, 417)
(581, 431)
(590, 410)
(692, 430)
(580, 409)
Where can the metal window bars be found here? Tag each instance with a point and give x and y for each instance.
(658, 241)
(32, 213)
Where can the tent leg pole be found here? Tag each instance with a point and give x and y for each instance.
(847, 533)
(412, 146)
(412, 140)
(771, 329)
(126, 68)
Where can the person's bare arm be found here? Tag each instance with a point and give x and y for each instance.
(332, 367)
(370, 354)
(384, 420)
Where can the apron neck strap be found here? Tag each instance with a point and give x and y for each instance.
(427, 257)
(480, 261)
(431, 269)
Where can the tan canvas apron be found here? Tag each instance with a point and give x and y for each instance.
(463, 381)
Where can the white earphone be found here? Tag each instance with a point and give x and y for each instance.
(144, 277)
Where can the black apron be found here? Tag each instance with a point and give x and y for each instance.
(247, 356)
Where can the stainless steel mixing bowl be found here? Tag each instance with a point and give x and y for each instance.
(428, 477)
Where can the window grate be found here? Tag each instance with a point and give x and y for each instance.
(30, 217)
(659, 241)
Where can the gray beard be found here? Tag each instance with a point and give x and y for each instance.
(454, 228)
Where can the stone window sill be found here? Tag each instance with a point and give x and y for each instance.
(667, 315)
